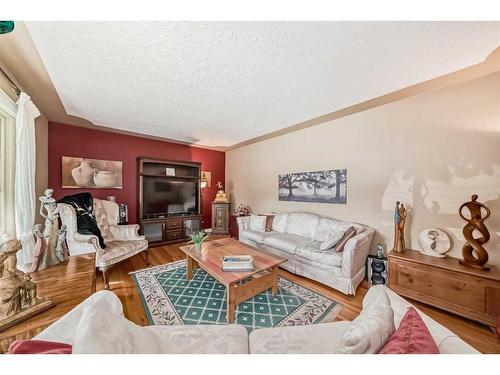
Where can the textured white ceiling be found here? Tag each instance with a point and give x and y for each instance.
(220, 83)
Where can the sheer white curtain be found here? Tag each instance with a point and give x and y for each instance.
(25, 200)
(8, 110)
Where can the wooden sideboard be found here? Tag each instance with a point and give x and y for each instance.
(170, 229)
(67, 283)
(446, 284)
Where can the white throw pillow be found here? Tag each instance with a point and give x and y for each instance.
(279, 222)
(371, 328)
(258, 223)
(334, 237)
(102, 332)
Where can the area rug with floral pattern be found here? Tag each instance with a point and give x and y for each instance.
(168, 299)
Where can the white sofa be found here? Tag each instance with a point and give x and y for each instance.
(297, 236)
(118, 335)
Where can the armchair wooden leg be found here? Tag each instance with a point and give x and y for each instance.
(146, 257)
(105, 277)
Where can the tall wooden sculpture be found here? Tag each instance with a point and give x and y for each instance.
(18, 299)
(399, 228)
(475, 222)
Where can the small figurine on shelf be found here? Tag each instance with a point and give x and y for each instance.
(399, 228)
(221, 195)
(242, 210)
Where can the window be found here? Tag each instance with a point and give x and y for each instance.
(8, 110)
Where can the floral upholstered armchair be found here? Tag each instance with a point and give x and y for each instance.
(122, 241)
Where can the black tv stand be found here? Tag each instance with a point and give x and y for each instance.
(164, 228)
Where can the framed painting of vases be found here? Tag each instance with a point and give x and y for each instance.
(91, 173)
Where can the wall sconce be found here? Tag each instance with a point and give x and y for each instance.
(206, 178)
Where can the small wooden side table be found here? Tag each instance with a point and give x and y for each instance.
(446, 284)
(67, 283)
(233, 227)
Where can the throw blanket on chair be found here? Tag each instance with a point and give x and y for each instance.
(85, 219)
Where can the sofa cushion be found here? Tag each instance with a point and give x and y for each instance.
(286, 242)
(279, 222)
(257, 223)
(371, 328)
(412, 337)
(118, 250)
(254, 236)
(269, 222)
(302, 224)
(106, 214)
(39, 347)
(336, 234)
(349, 233)
(326, 226)
(100, 331)
(328, 257)
(308, 339)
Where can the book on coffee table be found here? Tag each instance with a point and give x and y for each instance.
(237, 263)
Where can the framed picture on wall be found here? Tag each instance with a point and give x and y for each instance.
(323, 187)
(91, 173)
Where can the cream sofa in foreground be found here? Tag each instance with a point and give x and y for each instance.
(112, 333)
(297, 236)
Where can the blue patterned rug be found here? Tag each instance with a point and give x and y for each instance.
(168, 299)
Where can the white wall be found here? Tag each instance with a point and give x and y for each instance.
(431, 151)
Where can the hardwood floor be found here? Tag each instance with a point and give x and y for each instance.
(67, 284)
(477, 335)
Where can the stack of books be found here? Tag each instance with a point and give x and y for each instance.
(237, 263)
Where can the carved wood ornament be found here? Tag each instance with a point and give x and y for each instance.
(399, 228)
(475, 222)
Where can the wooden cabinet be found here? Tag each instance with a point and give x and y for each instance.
(220, 218)
(165, 230)
(446, 284)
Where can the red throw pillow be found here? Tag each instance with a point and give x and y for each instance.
(412, 337)
(39, 347)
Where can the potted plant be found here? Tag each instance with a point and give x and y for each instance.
(197, 238)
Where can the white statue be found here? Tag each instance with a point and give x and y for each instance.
(49, 211)
(40, 248)
(61, 249)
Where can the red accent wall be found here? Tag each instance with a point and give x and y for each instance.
(67, 140)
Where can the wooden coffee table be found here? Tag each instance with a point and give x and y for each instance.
(263, 277)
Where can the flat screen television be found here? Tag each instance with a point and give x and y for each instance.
(169, 196)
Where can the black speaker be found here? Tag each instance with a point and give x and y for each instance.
(377, 270)
(122, 214)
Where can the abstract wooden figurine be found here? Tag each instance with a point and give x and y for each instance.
(475, 222)
(399, 228)
(18, 299)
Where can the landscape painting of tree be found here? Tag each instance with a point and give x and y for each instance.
(323, 187)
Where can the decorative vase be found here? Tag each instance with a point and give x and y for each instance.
(197, 245)
(83, 174)
(104, 179)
